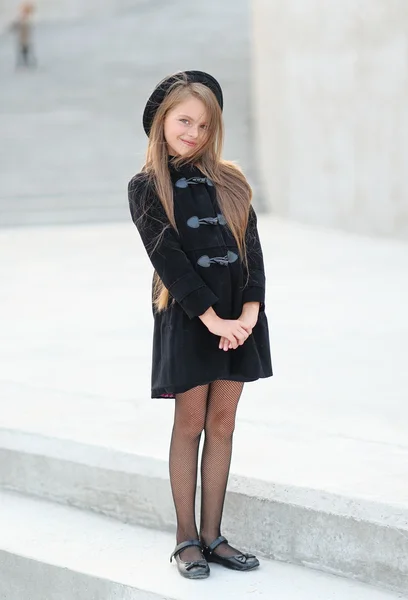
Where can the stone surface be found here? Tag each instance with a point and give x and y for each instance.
(102, 558)
(69, 10)
(331, 110)
(348, 536)
(318, 440)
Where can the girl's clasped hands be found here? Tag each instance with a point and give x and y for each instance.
(234, 333)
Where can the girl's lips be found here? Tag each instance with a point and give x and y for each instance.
(191, 144)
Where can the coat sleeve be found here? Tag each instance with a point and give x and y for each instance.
(255, 289)
(163, 247)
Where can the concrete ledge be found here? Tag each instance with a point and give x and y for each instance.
(349, 537)
(51, 551)
(24, 577)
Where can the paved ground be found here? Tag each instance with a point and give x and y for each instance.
(71, 134)
(76, 345)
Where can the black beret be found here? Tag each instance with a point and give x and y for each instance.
(160, 91)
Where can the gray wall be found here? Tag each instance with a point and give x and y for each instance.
(330, 104)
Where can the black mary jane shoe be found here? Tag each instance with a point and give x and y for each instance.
(193, 569)
(238, 562)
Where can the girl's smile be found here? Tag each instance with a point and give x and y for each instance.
(191, 144)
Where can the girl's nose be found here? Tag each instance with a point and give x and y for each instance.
(193, 131)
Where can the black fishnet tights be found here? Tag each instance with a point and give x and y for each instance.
(211, 408)
(189, 419)
(222, 403)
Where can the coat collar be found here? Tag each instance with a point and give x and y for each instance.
(186, 170)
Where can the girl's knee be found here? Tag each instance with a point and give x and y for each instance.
(192, 427)
(220, 426)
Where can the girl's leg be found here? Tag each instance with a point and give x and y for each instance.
(189, 419)
(222, 406)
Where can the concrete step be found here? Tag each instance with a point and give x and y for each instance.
(354, 538)
(54, 552)
(97, 206)
(62, 216)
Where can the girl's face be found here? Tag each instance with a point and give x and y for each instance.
(185, 127)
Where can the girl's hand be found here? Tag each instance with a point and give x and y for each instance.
(231, 330)
(248, 319)
(249, 315)
(225, 344)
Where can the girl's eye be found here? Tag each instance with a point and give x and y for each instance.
(184, 121)
(204, 127)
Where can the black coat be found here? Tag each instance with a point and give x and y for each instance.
(200, 266)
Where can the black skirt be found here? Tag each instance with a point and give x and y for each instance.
(186, 354)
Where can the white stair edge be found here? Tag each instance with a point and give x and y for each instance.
(49, 551)
(136, 489)
(390, 515)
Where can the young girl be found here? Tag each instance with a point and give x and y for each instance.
(193, 212)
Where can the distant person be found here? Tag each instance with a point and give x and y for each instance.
(23, 29)
(194, 214)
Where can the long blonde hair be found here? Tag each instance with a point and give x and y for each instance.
(234, 194)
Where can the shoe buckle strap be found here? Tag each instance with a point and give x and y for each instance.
(220, 540)
(183, 546)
